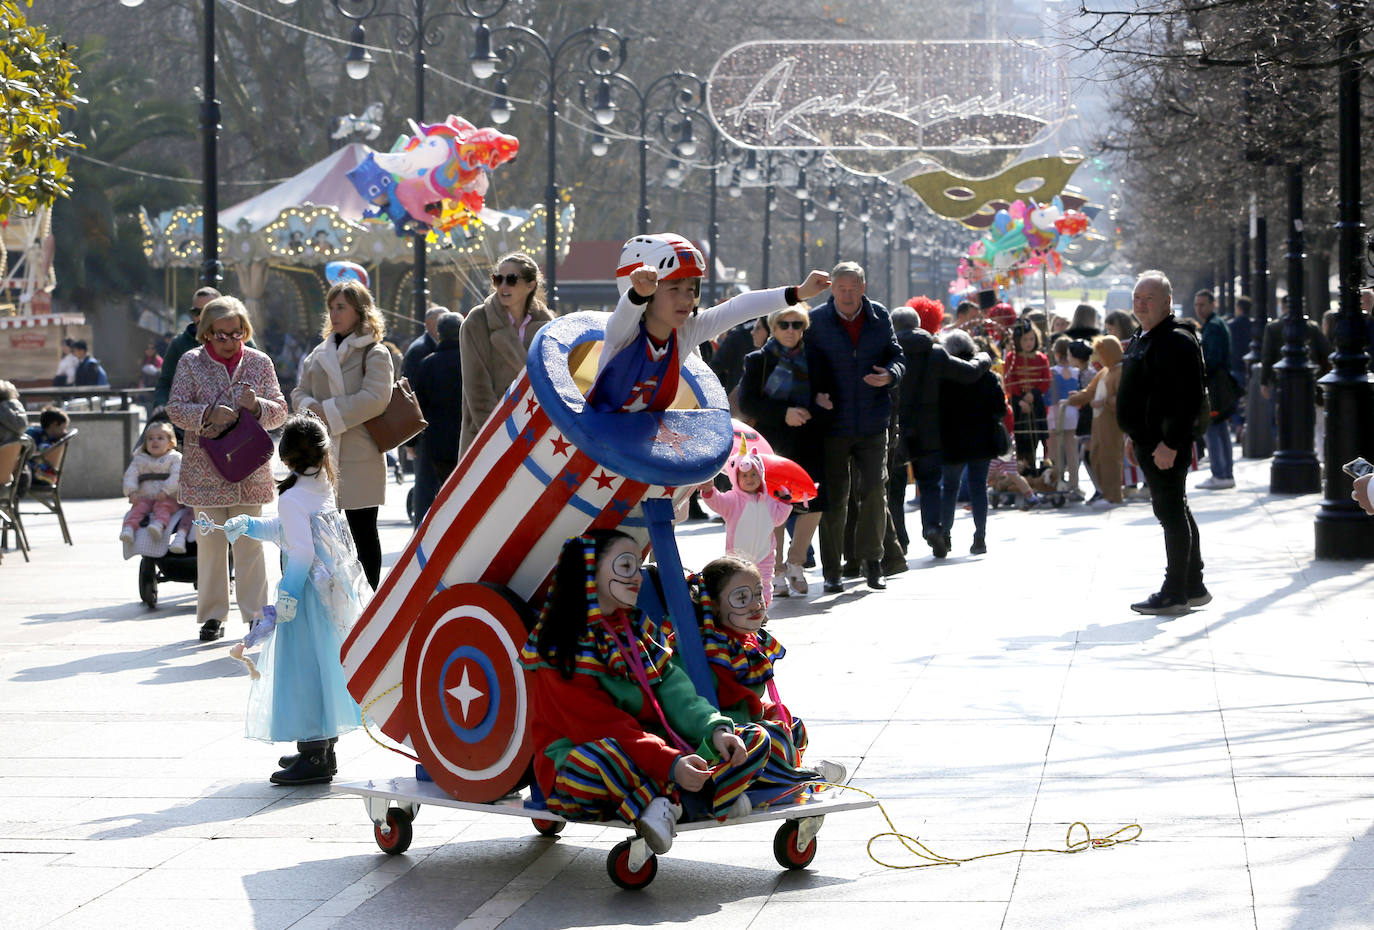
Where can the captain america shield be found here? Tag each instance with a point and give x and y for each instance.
(466, 691)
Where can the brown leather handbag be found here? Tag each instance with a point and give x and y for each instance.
(400, 421)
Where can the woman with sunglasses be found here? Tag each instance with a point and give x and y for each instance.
(495, 338)
(346, 381)
(215, 384)
(776, 392)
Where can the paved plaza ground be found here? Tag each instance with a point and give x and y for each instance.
(989, 702)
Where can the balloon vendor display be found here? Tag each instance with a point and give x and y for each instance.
(1024, 237)
(436, 177)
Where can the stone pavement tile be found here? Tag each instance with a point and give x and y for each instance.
(935, 915)
(1194, 747)
(1314, 915)
(1138, 800)
(137, 853)
(128, 914)
(1313, 805)
(935, 748)
(297, 869)
(1196, 883)
(32, 895)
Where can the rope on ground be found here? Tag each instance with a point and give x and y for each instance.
(932, 858)
(368, 730)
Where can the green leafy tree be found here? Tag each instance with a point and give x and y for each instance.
(37, 84)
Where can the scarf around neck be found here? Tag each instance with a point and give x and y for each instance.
(790, 381)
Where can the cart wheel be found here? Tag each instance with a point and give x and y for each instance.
(398, 840)
(785, 847)
(1060, 501)
(618, 868)
(147, 581)
(548, 827)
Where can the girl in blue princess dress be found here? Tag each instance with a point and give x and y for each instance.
(301, 694)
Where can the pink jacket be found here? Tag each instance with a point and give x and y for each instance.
(749, 521)
(201, 381)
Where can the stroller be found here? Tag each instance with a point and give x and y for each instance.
(157, 563)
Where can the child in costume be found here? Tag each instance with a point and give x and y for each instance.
(656, 323)
(301, 694)
(151, 482)
(741, 654)
(1063, 418)
(618, 728)
(751, 514)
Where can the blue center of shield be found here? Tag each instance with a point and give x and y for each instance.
(482, 730)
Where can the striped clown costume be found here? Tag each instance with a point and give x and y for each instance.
(607, 737)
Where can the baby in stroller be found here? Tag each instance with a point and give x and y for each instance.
(151, 484)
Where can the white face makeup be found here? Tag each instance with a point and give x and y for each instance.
(617, 576)
(741, 602)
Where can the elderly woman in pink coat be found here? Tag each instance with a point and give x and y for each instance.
(215, 384)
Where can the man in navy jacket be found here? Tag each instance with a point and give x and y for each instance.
(850, 347)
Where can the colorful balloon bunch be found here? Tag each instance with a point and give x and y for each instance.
(1023, 237)
(435, 178)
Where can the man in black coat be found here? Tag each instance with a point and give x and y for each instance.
(438, 386)
(1160, 405)
(426, 485)
(927, 365)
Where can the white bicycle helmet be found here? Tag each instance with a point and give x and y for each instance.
(673, 256)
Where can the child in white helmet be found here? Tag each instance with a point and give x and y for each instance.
(657, 324)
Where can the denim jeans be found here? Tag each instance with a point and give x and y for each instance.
(977, 471)
(1168, 498)
(928, 470)
(1219, 451)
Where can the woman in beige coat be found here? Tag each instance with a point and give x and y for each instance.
(346, 381)
(1107, 445)
(496, 337)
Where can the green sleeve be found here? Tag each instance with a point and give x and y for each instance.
(690, 714)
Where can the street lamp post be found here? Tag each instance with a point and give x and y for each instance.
(417, 26)
(1344, 531)
(211, 269)
(603, 53)
(1295, 469)
(1259, 435)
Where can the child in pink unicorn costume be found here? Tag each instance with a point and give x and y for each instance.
(751, 514)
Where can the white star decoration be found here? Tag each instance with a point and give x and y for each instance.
(465, 694)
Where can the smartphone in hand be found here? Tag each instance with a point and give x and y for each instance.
(1358, 468)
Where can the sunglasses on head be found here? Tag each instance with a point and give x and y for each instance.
(510, 280)
(790, 324)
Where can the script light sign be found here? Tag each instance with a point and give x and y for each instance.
(931, 96)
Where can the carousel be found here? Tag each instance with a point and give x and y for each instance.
(275, 245)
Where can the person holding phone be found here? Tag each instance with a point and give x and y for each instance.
(1362, 472)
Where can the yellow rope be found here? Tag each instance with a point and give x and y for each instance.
(921, 851)
(368, 731)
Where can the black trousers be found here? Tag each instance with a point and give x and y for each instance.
(1168, 497)
(363, 524)
(869, 455)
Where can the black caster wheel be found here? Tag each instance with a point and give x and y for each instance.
(410, 505)
(618, 868)
(396, 839)
(548, 827)
(785, 847)
(147, 581)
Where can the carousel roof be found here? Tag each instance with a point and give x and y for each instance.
(323, 184)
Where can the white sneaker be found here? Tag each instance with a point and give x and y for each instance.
(155, 531)
(1103, 504)
(1218, 484)
(780, 587)
(656, 825)
(178, 543)
(796, 577)
(126, 535)
(742, 807)
(833, 772)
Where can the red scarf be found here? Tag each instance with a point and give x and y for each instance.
(229, 363)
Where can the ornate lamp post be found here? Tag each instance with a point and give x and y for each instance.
(598, 52)
(1295, 469)
(1344, 531)
(211, 269)
(1259, 436)
(417, 27)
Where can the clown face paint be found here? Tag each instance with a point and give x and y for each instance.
(617, 575)
(741, 602)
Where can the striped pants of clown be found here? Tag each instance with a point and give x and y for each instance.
(598, 781)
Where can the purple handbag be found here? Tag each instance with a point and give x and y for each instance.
(240, 450)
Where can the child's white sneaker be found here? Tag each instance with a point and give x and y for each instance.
(126, 535)
(832, 772)
(155, 531)
(656, 825)
(178, 543)
(742, 807)
(796, 577)
(780, 587)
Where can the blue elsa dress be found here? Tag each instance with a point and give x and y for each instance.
(302, 693)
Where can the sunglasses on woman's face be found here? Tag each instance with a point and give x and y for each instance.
(510, 280)
(790, 324)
